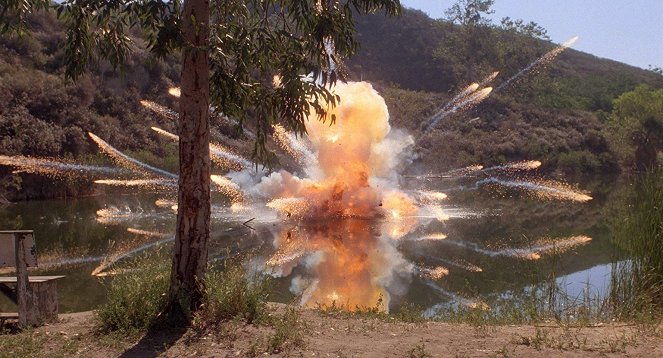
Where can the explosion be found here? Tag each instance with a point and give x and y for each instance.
(354, 160)
(352, 187)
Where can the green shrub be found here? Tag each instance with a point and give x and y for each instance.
(578, 162)
(136, 297)
(232, 293)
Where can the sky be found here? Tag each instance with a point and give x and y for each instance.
(629, 31)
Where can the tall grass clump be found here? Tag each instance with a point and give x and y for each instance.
(233, 293)
(136, 296)
(637, 231)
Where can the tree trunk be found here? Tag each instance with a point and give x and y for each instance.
(193, 211)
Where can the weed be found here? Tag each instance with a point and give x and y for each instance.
(406, 313)
(288, 332)
(232, 294)
(135, 298)
(503, 352)
(419, 351)
(410, 313)
(25, 344)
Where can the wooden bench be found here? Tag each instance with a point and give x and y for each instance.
(35, 296)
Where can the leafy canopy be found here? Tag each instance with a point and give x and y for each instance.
(638, 117)
(470, 12)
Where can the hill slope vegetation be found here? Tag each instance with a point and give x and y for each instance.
(558, 115)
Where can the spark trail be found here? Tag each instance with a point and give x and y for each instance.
(52, 167)
(465, 103)
(148, 183)
(293, 146)
(127, 161)
(517, 166)
(114, 258)
(533, 253)
(541, 61)
(468, 97)
(160, 110)
(218, 153)
(547, 190)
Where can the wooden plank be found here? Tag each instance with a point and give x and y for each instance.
(7, 250)
(8, 315)
(8, 240)
(32, 279)
(27, 312)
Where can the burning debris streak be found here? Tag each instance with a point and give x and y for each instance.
(148, 233)
(125, 160)
(430, 197)
(544, 189)
(165, 203)
(52, 167)
(457, 99)
(467, 302)
(464, 103)
(434, 273)
(148, 183)
(432, 237)
(175, 92)
(455, 173)
(468, 97)
(228, 188)
(489, 79)
(225, 157)
(540, 62)
(160, 110)
(294, 146)
(171, 136)
(218, 153)
(459, 264)
(533, 253)
(125, 252)
(517, 166)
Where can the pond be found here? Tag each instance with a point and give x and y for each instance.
(488, 244)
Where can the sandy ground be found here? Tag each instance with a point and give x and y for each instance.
(333, 336)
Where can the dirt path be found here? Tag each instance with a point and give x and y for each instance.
(326, 336)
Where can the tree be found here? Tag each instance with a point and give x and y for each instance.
(231, 50)
(638, 115)
(470, 12)
(517, 44)
(468, 49)
(476, 47)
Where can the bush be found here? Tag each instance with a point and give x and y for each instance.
(136, 297)
(233, 294)
(578, 162)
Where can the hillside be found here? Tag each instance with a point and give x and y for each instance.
(557, 115)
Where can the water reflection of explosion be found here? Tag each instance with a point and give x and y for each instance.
(345, 262)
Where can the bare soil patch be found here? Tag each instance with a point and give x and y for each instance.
(340, 336)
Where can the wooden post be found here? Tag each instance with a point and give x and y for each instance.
(44, 296)
(27, 312)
